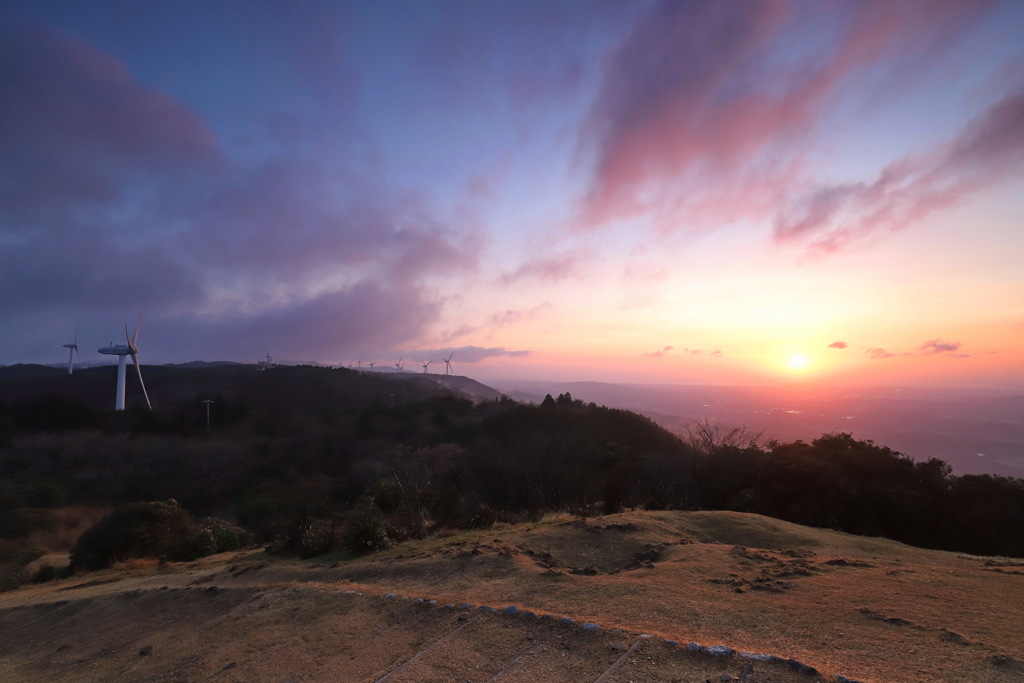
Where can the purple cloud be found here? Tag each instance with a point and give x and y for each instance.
(837, 345)
(938, 346)
(78, 130)
(115, 193)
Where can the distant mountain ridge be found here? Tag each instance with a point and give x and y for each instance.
(300, 386)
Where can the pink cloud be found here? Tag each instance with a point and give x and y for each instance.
(837, 345)
(551, 268)
(987, 150)
(707, 95)
(659, 353)
(879, 354)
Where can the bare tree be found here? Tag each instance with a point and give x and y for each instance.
(708, 436)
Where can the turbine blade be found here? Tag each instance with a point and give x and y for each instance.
(136, 337)
(135, 360)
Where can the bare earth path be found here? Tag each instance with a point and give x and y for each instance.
(866, 609)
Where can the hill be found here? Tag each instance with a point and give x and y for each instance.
(292, 388)
(650, 582)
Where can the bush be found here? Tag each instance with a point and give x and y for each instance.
(365, 531)
(153, 530)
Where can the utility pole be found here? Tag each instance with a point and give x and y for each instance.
(208, 402)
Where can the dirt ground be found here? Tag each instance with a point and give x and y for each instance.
(497, 605)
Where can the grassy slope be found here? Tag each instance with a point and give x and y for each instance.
(871, 609)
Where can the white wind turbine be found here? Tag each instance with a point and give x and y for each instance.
(72, 350)
(448, 363)
(426, 365)
(398, 365)
(122, 350)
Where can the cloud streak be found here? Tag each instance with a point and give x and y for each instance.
(988, 151)
(703, 117)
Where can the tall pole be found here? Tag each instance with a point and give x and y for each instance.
(208, 402)
(119, 396)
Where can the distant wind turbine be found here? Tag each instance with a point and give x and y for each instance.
(72, 350)
(448, 363)
(372, 363)
(398, 365)
(122, 350)
(426, 365)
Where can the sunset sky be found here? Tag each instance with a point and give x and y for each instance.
(668, 192)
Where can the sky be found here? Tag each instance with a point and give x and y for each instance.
(744, 192)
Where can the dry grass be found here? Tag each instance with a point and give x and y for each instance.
(870, 609)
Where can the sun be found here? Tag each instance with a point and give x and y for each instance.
(797, 361)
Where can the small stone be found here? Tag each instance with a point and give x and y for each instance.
(567, 620)
(146, 651)
(719, 651)
(391, 595)
(617, 645)
(756, 656)
(511, 611)
(693, 647)
(228, 667)
(591, 626)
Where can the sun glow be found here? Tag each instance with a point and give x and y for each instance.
(797, 362)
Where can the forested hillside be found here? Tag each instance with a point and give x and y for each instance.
(313, 459)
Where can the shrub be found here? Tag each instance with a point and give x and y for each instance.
(365, 531)
(152, 530)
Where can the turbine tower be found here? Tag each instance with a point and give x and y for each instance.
(448, 363)
(123, 350)
(72, 350)
(426, 365)
(398, 365)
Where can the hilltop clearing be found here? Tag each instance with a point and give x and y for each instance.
(867, 609)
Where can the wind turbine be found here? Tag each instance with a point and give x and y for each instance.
(72, 350)
(123, 350)
(398, 365)
(426, 365)
(448, 363)
(372, 363)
